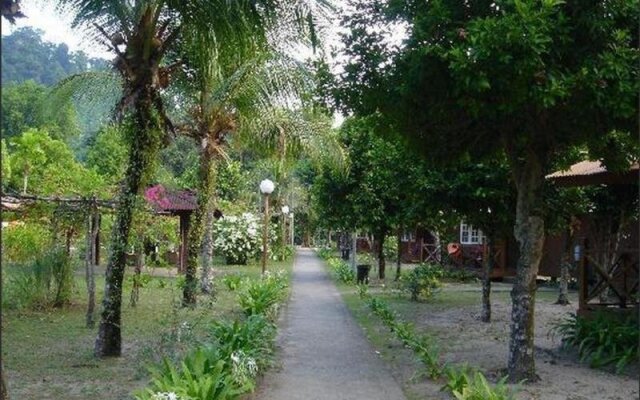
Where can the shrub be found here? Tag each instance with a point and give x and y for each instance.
(251, 340)
(281, 253)
(262, 296)
(238, 238)
(390, 248)
(341, 270)
(602, 339)
(24, 242)
(202, 376)
(232, 281)
(325, 253)
(422, 281)
(44, 282)
(478, 388)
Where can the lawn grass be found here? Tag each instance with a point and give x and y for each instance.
(49, 354)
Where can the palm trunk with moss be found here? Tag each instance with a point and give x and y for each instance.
(205, 184)
(207, 254)
(145, 131)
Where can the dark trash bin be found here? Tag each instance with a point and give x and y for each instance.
(363, 274)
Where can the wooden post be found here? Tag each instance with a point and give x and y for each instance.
(582, 295)
(92, 233)
(184, 241)
(97, 222)
(264, 233)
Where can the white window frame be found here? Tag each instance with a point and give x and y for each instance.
(470, 235)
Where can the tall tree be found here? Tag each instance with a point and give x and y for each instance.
(527, 78)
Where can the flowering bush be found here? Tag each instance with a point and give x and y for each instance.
(238, 238)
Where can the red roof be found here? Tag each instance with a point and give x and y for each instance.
(169, 200)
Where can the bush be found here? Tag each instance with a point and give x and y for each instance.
(22, 243)
(602, 339)
(262, 296)
(390, 248)
(281, 253)
(341, 270)
(232, 281)
(325, 252)
(253, 340)
(46, 281)
(202, 376)
(478, 388)
(422, 281)
(238, 238)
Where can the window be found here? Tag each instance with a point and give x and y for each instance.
(407, 236)
(470, 235)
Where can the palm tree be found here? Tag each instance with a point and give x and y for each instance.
(231, 92)
(142, 34)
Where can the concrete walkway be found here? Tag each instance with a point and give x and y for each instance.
(324, 353)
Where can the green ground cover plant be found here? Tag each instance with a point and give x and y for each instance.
(226, 365)
(602, 339)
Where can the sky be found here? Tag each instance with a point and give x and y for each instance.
(56, 27)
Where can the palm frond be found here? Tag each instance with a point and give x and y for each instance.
(96, 90)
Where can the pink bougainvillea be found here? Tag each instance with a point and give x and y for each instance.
(157, 196)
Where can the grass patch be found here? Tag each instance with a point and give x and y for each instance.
(49, 354)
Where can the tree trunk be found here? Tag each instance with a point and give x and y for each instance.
(485, 315)
(25, 182)
(4, 392)
(529, 233)
(398, 255)
(565, 275)
(207, 255)
(381, 262)
(196, 226)
(146, 139)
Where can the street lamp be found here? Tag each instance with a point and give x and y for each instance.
(266, 188)
(285, 211)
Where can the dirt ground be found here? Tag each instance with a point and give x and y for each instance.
(452, 316)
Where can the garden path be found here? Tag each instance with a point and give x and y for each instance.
(324, 353)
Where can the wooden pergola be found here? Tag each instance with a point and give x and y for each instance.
(621, 277)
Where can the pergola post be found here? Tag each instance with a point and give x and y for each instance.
(184, 240)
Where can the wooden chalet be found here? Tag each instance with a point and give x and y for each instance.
(607, 267)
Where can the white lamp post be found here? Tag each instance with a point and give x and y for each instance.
(266, 188)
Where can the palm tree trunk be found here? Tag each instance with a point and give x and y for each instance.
(146, 139)
(205, 184)
(529, 233)
(207, 254)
